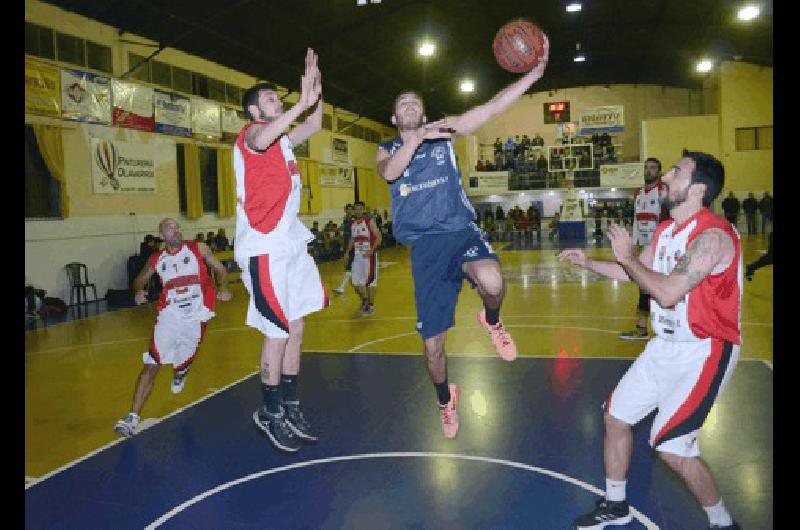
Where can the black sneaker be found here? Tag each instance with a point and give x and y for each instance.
(732, 526)
(636, 334)
(277, 430)
(748, 274)
(297, 421)
(607, 513)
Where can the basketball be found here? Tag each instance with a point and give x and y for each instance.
(518, 46)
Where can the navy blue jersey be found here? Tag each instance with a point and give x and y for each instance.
(428, 198)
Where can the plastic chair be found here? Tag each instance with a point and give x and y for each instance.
(78, 276)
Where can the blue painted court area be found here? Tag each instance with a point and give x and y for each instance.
(528, 455)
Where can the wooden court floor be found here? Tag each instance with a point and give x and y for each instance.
(79, 375)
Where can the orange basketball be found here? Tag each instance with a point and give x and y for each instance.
(518, 46)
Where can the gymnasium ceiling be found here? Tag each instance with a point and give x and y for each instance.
(368, 53)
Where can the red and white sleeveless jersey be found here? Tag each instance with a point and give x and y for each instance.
(648, 212)
(187, 286)
(363, 238)
(712, 308)
(268, 194)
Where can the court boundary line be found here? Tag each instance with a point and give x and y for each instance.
(148, 426)
(642, 518)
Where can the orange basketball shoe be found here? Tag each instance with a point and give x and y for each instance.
(503, 343)
(450, 421)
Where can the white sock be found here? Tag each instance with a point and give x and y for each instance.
(615, 490)
(346, 277)
(718, 514)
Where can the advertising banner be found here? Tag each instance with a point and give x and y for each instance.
(630, 175)
(596, 120)
(205, 118)
(123, 167)
(487, 183)
(173, 113)
(42, 89)
(133, 105)
(85, 97)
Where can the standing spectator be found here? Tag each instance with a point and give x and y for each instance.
(750, 207)
(498, 214)
(222, 240)
(554, 226)
(200, 238)
(538, 140)
(508, 148)
(211, 241)
(765, 206)
(766, 259)
(498, 147)
(730, 206)
(508, 226)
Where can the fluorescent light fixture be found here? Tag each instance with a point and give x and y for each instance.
(427, 49)
(748, 13)
(573, 7)
(704, 66)
(579, 58)
(613, 189)
(375, 1)
(467, 86)
(361, 2)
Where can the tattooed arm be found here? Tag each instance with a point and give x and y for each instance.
(712, 249)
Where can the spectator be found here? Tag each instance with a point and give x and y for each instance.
(554, 226)
(541, 163)
(508, 226)
(222, 240)
(750, 207)
(317, 246)
(498, 147)
(508, 148)
(765, 206)
(480, 166)
(517, 146)
(538, 140)
(498, 214)
(146, 247)
(730, 206)
(766, 259)
(200, 238)
(211, 241)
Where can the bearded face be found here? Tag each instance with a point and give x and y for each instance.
(408, 112)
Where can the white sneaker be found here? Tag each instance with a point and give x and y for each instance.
(178, 380)
(127, 425)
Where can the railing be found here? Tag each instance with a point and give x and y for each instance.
(543, 179)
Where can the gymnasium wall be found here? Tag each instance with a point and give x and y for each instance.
(666, 138)
(641, 102)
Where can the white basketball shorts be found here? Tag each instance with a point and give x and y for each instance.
(680, 379)
(176, 339)
(365, 270)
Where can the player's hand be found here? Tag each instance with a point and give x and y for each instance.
(140, 297)
(574, 255)
(224, 296)
(621, 243)
(310, 82)
(538, 70)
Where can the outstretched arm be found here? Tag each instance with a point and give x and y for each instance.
(260, 136)
(475, 117)
(609, 269)
(390, 167)
(711, 248)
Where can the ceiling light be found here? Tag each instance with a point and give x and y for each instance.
(467, 86)
(704, 66)
(579, 58)
(573, 7)
(427, 49)
(361, 2)
(748, 13)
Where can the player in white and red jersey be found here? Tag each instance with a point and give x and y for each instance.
(692, 270)
(271, 247)
(185, 305)
(365, 238)
(648, 213)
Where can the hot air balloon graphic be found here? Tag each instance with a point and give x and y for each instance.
(107, 160)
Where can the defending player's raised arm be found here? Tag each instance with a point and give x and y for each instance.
(313, 122)
(472, 119)
(260, 136)
(710, 249)
(390, 167)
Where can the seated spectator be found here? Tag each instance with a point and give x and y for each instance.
(498, 146)
(211, 241)
(317, 247)
(538, 140)
(221, 240)
(200, 238)
(480, 166)
(554, 226)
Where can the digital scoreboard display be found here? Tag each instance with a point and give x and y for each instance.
(556, 112)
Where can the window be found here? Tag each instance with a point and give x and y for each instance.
(327, 122)
(233, 94)
(208, 178)
(70, 49)
(182, 80)
(181, 178)
(98, 57)
(161, 74)
(142, 72)
(199, 85)
(753, 138)
(216, 90)
(39, 41)
(42, 190)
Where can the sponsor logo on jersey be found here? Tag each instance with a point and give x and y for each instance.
(186, 260)
(438, 153)
(471, 253)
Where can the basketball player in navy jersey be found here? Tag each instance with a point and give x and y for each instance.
(434, 216)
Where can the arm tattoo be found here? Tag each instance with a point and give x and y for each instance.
(701, 248)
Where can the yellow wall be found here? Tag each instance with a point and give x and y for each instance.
(745, 101)
(666, 138)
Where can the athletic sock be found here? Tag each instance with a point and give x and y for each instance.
(346, 277)
(289, 387)
(492, 315)
(272, 398)
(443, 392)
(615, 490)
(718, 514)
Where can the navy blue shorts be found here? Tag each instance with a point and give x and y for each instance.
(436, 266)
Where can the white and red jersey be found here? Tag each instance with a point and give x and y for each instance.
(647, 212)
(268, 194)
(187, 287)
(713, 308)
(363, 238)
